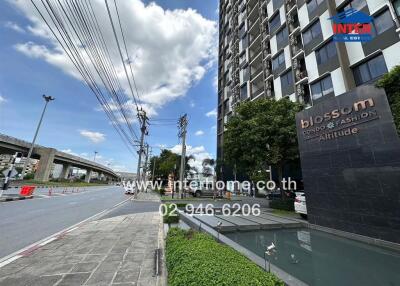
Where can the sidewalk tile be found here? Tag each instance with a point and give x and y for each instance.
(74, 279)
(84, 267)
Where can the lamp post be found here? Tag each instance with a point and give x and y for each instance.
(94, 158)
(28, 157)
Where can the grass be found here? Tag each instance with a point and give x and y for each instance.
(58, 184)
(195, 258)
(285, 213)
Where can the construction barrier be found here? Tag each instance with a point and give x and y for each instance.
(27, 190)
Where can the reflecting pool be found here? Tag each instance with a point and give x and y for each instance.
(321, 259)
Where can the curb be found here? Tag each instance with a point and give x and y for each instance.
(10, 199)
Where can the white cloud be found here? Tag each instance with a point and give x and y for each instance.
(192, 104)
(199, 133)
(199, 153)
(95, 137)
(171, 50)
(14, 26)
(2, 99)
(212, 113)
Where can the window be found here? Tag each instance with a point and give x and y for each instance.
(355, 4)
(275, 23)
(287, 79)
(326, 52)
(277, 4)
(242, 31)
(243, 92)
(313, 5)
(312, 32)
(370, 70)
(278, 61)
(321, 87)
(381, 23)
(282, 36)
(396, 5)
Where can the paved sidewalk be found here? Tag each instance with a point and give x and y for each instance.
(113, 251)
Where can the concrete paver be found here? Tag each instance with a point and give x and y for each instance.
(113, 251)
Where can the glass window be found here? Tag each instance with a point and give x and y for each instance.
(312, 32)
(282, 36)
(396, 5)
(275, 23)
(278, 61)
(287, 79)
(382, 22)
(326, 52)
(311, 6)
(322, 87)
(277, 4)
(370, 70)
(243, 92)
(355, 4)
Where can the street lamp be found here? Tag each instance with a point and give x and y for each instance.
(47, 99)
(94, 158)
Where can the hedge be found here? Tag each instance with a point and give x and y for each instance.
(161, 192)
(195, 258)
(171, 215)
(286, 204)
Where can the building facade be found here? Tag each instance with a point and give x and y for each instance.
(6, 159)
(285, 48)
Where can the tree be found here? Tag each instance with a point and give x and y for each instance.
(208, 167)
(166, 163)
(391, 83)
(262, 133)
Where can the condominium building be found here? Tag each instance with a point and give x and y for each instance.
(285, 48)
(6, 159)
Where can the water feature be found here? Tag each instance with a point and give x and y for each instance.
(321, 259)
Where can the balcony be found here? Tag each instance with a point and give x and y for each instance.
(227, 92)
(293, 21)
(290, 4)
(242, 5)
(299, 67)
(303, 94)
(254, 51)
(244, 75)
(296, 44)
(255, 70)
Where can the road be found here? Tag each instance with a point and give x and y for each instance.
(28, 221)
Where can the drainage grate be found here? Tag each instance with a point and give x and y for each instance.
(157, 262)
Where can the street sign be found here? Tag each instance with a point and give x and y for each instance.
(13, 173)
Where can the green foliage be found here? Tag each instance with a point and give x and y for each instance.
(391, 83)
(161, 192)
(286, 205)
(171, 215)
(261, 133)
(29, 176)
(166, 163)
(195, 258)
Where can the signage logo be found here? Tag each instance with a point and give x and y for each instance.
(339, 122)
(351, 25)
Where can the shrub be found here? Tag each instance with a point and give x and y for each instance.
(286, 204)
(161, 192)
(170, 216)
(29, 176)
(195, 258)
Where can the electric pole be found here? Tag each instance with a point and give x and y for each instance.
(143, 129)
(11, 172)
(145, 165)
(28, 157)
(154, 168)
(182, 134)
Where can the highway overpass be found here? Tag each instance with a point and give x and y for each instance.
(48, 156)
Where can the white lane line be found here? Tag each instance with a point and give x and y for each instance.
(17, 254)
(8, 261)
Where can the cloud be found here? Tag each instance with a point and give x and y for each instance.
(192, 104)
(170, 50)
(212, 113)
(2, 99)
(14, 26)
(199, 133)
(95, 137)
(199, 153)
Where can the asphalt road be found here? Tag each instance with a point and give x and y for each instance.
(28, 221)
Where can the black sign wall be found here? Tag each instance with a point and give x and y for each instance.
(350, 157)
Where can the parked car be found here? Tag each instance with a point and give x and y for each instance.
(277, 194)
(300, 204)
(200, 189)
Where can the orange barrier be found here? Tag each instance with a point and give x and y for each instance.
(27, 190)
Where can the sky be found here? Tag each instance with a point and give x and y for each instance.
(173, 44)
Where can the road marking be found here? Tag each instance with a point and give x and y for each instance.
(30, 248)
(8, 261)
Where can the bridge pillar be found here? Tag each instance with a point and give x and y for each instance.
(88, 175)
(45, 163)
(65, 171)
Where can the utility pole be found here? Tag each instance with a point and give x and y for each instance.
(154, 169)
(47, 99)
(182, 134)
(143, 129)
(145, 165)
